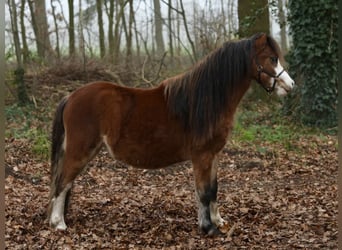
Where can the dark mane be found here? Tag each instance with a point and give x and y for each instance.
(199, 96)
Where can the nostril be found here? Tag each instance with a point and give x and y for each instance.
(293, 83)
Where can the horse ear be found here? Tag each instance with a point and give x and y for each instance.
(260, 41)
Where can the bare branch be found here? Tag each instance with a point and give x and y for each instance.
(172, 8)
(151, 82)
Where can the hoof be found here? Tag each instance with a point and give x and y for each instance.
(58, 224)
(212, 231)
(61, 227)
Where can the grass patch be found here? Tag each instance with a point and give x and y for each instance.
(40, 143)
(259, 126)
(29, 123)
(259, 132)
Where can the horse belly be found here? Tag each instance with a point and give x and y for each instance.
(154, 150)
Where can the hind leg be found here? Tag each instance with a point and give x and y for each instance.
(57, 209)
(72, 165)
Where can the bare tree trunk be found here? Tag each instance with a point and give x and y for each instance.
(15, 32)
(223, 25)
(56, 29)
(253, 17)
(116, 39)
(71, 29)
(19, 72)
(282, 22)
(114, 34)
(101, 30)
(89, 45)
(33, 20)
(195, 23)
(129, 34)
(137, 43)
(178, 34)
(25, 49)
(81, 35)
(110, 14)
(144, 35)
(230, 21)
(124, 25)
(117, 29)
(193, 57)
(170, 31)
(43, 40)
(158, 20)
(153, 34)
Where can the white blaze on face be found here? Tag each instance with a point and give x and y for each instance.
(284, 82)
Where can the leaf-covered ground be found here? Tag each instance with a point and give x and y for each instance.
(277, 199)
(272, 196)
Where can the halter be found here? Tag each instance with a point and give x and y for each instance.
(260, 69)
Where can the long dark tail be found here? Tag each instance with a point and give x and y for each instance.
(57, 135)
(57, 151)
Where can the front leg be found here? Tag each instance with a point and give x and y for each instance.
(206, 194)
(215, 214)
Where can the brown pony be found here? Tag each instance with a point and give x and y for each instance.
(187, 117)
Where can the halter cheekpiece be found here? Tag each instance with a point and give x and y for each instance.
(260, 69)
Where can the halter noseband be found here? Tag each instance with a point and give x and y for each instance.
(260, 69)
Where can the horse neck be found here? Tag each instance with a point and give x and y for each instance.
(235, 98)
(239, 93)
(207, 95)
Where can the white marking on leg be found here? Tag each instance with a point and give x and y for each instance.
(57, 214)
(215, 214)
(64, 142)
(202, 211)
(105, 140)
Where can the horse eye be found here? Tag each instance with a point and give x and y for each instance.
(274, 59)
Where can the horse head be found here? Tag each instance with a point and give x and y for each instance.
(267, 69)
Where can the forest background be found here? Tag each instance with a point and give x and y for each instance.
(54, 46)
(174, 35)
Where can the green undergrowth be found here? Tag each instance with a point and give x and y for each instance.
(32, 124)
(263, 127)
